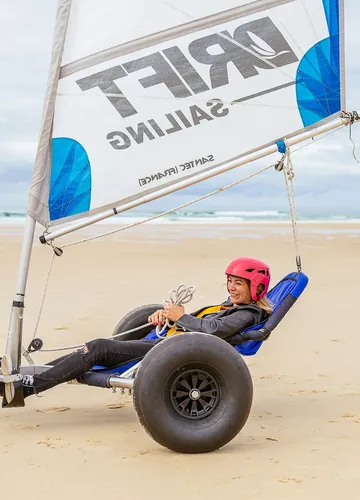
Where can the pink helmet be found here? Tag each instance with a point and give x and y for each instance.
(257, 272)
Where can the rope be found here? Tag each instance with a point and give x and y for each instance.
(353, 117)
(182, 295)
(180, 207)
(289, 175)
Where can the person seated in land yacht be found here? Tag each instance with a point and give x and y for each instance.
(247, 284)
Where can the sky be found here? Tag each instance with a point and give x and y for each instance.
(327, 175)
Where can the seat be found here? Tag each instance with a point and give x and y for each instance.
(282, 296)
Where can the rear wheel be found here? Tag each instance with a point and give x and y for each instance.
(134, 319)
(193, 393)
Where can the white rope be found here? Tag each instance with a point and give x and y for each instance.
(55, 349)
(180, 207)
(182, 295)
(289, 175)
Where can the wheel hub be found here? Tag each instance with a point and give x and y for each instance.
(194, 394)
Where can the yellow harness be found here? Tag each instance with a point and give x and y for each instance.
(201, 314)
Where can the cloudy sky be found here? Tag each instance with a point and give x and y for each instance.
(328, 178)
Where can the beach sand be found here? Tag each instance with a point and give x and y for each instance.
(303, 436)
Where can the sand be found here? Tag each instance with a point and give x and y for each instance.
(303, 435)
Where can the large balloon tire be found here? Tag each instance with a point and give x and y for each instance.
(161, 393)
(134, 319)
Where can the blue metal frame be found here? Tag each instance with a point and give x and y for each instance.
(292, 285)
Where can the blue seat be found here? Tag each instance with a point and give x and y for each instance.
(282, 296)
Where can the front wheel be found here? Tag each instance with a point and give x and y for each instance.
(193, 393)
(134, 319)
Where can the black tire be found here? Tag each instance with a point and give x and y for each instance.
(135, 318)
(217, 416)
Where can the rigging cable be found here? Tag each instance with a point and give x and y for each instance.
(289, 175)
(285, 165)
(180, 207)
(182, 295)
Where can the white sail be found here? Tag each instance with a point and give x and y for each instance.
(145, 94)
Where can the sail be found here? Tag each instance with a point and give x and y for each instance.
(144, 94)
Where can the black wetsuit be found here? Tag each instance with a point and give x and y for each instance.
(109, 352)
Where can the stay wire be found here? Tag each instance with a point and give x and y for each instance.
(289, 175)
(44, 295)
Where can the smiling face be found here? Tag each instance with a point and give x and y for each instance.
(239, 290)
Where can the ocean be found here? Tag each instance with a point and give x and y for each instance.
(206, 217)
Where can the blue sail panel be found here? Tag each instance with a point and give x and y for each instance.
(70, 181)
(318, 79)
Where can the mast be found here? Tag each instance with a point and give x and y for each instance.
(14, 337)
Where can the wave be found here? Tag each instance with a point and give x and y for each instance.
(12, 214)
(249, 213)
(203, 217)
